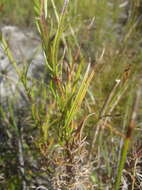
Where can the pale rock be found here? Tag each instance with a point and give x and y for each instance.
(26, 49)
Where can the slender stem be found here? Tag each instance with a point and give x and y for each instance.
(128, 137)
(122, 162)
(21, 160)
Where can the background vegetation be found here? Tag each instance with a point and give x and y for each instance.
(81, 129)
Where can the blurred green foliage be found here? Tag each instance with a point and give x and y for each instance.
(19, 12)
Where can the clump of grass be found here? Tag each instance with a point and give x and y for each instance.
(67, 96)
(61, 101)
(73, 120)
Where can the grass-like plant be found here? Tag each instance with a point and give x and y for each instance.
(75, 127)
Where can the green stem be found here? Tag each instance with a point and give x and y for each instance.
(121, 163)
